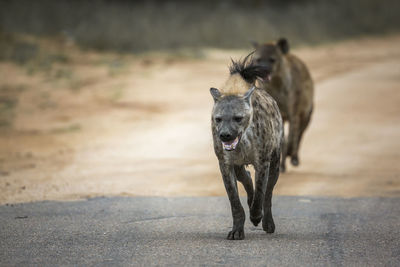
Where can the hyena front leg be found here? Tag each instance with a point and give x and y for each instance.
(268, 222)
(244, 177)
(238, 215)
(294, 130)
(261, 185)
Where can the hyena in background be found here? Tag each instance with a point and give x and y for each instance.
(247, 129)
(290, 84)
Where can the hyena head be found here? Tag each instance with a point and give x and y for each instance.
(271, 55)
(232, 112)
(231, 116)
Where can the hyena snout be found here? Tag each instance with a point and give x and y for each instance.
(226, 137)
(229, 140)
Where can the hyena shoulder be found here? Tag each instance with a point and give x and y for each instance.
(299, 74)
(267, 120)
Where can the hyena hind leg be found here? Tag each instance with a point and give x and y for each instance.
(294, 130)
(284, 152)
(284, 155)
(244, 177)
(268, 222)
(304, 121)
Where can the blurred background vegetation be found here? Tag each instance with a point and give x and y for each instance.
(142, 25)
(51, 38)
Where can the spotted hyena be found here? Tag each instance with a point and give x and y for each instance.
(291, 85)
(247, 129)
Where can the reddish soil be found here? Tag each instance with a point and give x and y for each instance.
(106, 125)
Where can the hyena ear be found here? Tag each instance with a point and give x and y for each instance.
(216, 94)
(283, 45)
(254, 44)
(247, 95)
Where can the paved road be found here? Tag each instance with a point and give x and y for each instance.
(191, 231)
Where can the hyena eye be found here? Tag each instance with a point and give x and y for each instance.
(271, 60)
(218, 120)
(238, 119)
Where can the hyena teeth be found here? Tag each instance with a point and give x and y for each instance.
(231, 145)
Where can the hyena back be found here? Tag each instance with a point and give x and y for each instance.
(247, 129)
(291, 85)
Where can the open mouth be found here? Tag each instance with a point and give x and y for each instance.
(265, 78)
(231, 145)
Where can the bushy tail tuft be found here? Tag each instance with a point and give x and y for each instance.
(248, 69)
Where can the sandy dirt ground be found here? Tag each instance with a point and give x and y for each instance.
(108, 124)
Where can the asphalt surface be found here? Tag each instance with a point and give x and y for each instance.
(191, 231)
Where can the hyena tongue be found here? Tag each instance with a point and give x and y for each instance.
(266, 78)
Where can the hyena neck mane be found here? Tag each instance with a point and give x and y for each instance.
(243, 75)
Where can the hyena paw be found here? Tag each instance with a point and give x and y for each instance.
(268, 225)
(294, 161)
(236, 234)
(256, 219)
